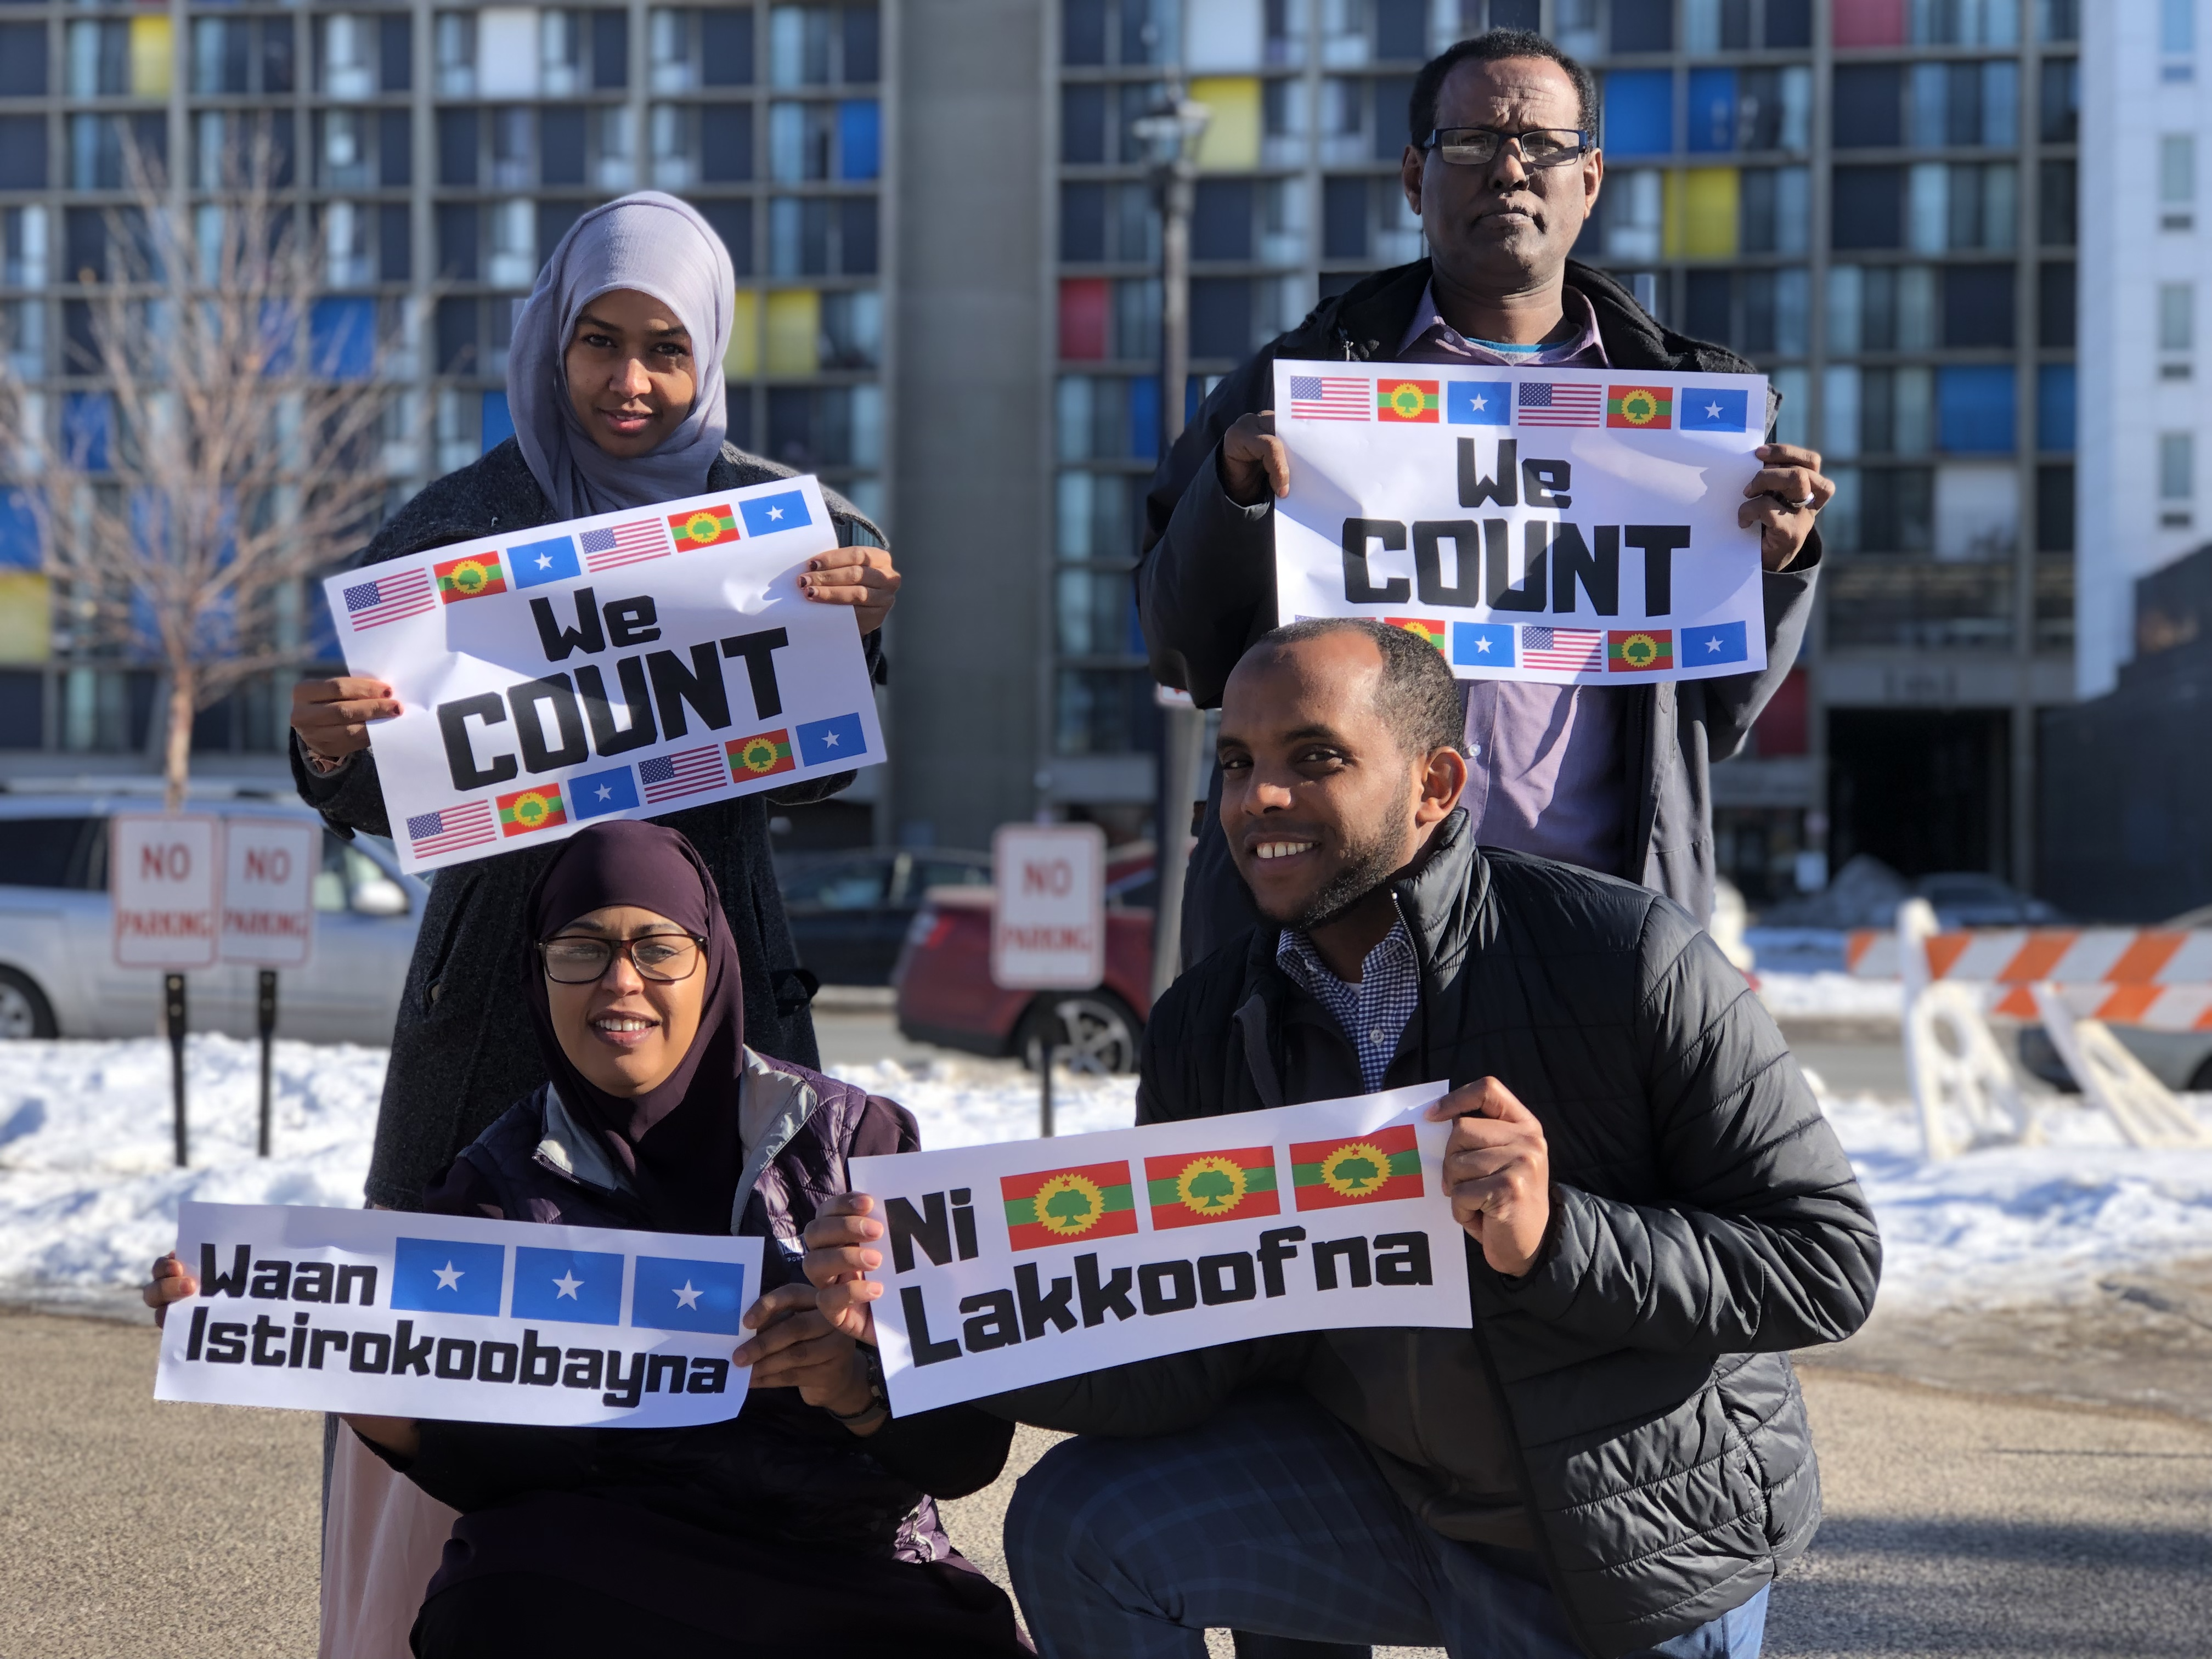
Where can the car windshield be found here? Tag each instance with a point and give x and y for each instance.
(854, 885)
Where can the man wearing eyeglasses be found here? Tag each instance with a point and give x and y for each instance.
(1505, 169)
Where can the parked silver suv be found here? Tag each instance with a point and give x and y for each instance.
(57, 972)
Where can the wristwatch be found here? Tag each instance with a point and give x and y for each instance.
(872, 1365)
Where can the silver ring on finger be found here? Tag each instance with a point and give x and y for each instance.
(1802, 506)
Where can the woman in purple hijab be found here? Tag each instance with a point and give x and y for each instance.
(805, 1523)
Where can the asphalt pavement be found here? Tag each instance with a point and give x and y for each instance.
(1983, 1519)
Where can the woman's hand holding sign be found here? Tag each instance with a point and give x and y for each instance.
(799, 1348)
(840, 1255)
(862, 577)
(1498, 1169)
(332, 716)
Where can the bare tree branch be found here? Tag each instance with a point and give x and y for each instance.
(242, 446)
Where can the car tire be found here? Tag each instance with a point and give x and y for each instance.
(24, 1011)
(1101, 1030)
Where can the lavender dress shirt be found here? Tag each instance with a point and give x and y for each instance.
(1544, 761)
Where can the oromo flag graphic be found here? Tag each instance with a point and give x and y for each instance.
(1382, 1164)
(1649, 406)
(703, 527)
(1068, 1206)
(1421, 627)
(1188, 1190)
(1406, 400)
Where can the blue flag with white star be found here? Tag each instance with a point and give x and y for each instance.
(1478, 403)
(766, 514)
(837, 738)
(1482, 645)
(1712, 408)
(543, 561)
(597, 793)
(436, 1275)
(581, 1286)
(672, 1294)
(1715, 642)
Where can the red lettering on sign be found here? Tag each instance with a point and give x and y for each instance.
(166, 924)
(281, 924)
(1055, 877)
(171, 863)
(268, 864)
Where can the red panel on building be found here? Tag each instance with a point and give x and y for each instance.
(1869, 22)
(1085, 303)
(1782, 727)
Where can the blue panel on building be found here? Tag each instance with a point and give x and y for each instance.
(498, 422)
(2054, 407)
(1974, 411)
(19, 530)
(1712, 109)
(1639, 112)
(1144, 417)
(88, 424)
(343, 332)
(860, 143)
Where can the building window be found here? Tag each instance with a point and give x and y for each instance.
(2054, 509)
(1868, 208)
(2177, 181)
(1974, 408)
(2055, 306)
(2176, 316)
(2176, 466)
(2054, 408)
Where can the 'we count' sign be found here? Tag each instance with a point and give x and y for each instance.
(389, 1314)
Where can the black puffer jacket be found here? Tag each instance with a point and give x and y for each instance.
(459, 1056)
(1706, 1221)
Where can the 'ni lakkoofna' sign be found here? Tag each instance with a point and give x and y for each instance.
(388, 1313)
(1028, 1260)
(617, 666)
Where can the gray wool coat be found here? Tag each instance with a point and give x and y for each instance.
(463, 1050)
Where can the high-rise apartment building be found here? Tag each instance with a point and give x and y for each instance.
(2147, 275)
(437, 154)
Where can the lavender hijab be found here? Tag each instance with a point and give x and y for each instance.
(679, 1140)
(656, 245)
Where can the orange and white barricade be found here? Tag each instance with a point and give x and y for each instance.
(2079, 981)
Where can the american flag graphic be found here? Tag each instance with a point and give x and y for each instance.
(1559, 403)
(1578, 650)
(1332, 397)
(624, 543)
(390, 599)
(449, 830)
(666, 776)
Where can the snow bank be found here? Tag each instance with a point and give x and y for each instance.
(87, 1196)
(1829, 996)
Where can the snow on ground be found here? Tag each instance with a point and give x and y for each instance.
(87, 1196)
(1828, 996)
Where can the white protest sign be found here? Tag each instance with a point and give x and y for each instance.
(1021, 1263)
(622, 665)
(1567, 525)
(269, 868)
(163, 876)
(1048, 920)
(392, 1313)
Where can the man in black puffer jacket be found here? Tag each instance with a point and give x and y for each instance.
(1614, 1458)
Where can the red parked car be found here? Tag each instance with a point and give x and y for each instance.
(945, 995)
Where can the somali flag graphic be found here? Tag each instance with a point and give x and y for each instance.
(837, 738)
(1479, 403)
(543, 562)
(1712, 408)
(598, 793)
(581, 1286)
(1715, 642)
(672, 1294)
(436, 1275)
(766, 514)
(1482, 645)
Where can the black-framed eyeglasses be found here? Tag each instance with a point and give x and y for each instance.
(581, 959)
(1539, 147)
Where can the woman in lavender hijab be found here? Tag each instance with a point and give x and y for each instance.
(615, 385)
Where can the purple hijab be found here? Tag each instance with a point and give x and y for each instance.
(680, 1139)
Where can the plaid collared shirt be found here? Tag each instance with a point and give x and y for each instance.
(1373, 1013)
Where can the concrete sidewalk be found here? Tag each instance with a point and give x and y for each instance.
(1959, 1524)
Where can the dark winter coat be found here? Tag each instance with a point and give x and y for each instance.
(1206, 590)
(782, 1485)
(462, 1050)
(1637, 1380)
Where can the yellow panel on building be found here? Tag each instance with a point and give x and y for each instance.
(153, 57)
(795, 332)
(26, 618)
(741, 362)
(1702, 205)
(1231, 141)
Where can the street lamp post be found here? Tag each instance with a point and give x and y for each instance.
(1169, 133)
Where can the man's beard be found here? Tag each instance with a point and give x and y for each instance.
(1369, 862)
